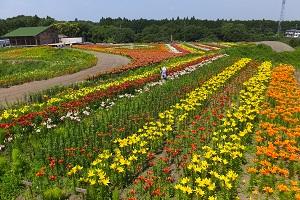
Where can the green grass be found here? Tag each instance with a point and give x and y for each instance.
(20, 65)
(263, 53)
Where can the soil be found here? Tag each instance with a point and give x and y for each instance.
(297, 74)
(106, 63)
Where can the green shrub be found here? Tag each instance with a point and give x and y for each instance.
(3, 165)
(53, 194)
(294, 42)
(2, 136)
(10, 186)
(18, 165)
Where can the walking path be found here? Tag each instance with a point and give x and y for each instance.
(297, 74)
(277, 46)
(106, 62)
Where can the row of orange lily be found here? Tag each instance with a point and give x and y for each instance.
(276, 168)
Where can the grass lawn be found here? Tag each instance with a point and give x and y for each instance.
(20, 65)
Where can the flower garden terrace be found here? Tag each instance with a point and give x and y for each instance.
(50, 169)
(145, 54)
(220, 127)
(68, 104)
(89, 91)
(87, 94)
(178, 67)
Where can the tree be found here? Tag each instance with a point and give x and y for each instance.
(112, 34)
(234, 32)
(143, 30)
(71, 29)
(193, 33)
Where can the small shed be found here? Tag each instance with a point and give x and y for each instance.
(27, 36)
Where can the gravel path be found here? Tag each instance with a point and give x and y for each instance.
(277, 46)
(106, 62)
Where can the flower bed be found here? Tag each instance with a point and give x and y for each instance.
(20, 65)
(190, 48)
(167, 166)
(181, 49)
(79, 143)
(92, 96)
(213, 172)
(113, 166)
(172, 49)
(141, 57)
(81, 92)
(206, 47)
(275, 172)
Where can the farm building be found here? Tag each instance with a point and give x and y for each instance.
(27, 36)
(293, 33)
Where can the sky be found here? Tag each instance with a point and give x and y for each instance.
(150, 9)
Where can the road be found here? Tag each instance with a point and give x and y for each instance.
(105, 63)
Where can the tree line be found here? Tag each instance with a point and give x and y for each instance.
(121, 30)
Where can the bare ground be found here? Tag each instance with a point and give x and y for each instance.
(277, 46)
(297, 74)
(106, 63)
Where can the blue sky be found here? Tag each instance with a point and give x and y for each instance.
(150, 9)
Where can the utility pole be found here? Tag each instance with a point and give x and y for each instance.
(281, 17)
(184, 28)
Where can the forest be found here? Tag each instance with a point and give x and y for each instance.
(122, 30)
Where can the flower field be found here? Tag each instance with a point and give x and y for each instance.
(27, 64)
(72, 99)
(222, 126)
(206, 47)
(141, 56)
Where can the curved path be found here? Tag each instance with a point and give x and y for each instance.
(106, 63)
(277, 46)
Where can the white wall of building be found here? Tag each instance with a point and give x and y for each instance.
(4, 43)
(292, 33)
(77, 40)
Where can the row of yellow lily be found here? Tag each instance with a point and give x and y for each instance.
(216, 165)
(132, 150)
(190, 49)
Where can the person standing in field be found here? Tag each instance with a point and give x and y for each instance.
(164, 73)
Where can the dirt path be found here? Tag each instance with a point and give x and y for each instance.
(106, 62)
(277, 46)
(297, 74)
